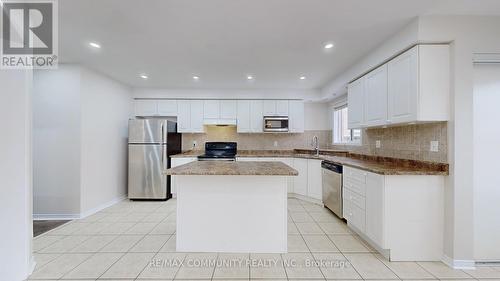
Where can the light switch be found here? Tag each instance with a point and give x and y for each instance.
(378, 144)
(434, 146)
(275, 143)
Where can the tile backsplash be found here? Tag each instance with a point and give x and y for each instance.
(261, 141)
(408, 142)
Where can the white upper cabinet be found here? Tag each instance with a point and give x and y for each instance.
(243, 118)
(167, 108)
(184, 116)
(197, 116)
(228, 109)
(412, 87)
(145, 108)
(296, 116)
(419, 85)
(275, 108)
(375, 106)
(190, 116)
(355, 100)
(256, 116)
(211, 109)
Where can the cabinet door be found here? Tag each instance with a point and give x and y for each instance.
(355, 103)
(211, 109)
(243, 119)
(403, 87)
(376, 97)
(167, 108)
(184, 116)
(145, 108)
(300, 181)
(269, 108)
(296, 116)
(196, 116)
(256, 116)
(314, 183)
(375, 208)
(289, 180)
(228, 109)
(282, 107)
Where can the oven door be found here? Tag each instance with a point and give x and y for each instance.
(275, 124)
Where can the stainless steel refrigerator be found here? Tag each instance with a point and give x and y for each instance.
(150, 144)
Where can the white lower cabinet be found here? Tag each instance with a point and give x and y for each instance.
(174, 162)
(300, 181)
(399, 215)
(314, 176)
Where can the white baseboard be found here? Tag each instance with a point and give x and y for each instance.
(102, 206)
(81, 215)
(55, 217)
(458, 264)
(305, 198)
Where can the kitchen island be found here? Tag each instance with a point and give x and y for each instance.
(229, 206)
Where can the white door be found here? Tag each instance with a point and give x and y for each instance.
(184, 116)
(282, 107)
(243, 120)
(269, 108)
(145, 108)
(376, 97)
(355, 103)
(402, 97)
(296, 116)
(256, 116)
(196, 116)
(314, 176)
(228, 109)
(167, 108)
(486, 139)
(300, 181)
(211, 109)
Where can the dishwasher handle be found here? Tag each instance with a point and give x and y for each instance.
(332, 166)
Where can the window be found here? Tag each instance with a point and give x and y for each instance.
(341, 133)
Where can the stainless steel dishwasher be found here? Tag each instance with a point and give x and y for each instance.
(332, 187)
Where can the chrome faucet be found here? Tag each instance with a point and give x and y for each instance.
(315, 144)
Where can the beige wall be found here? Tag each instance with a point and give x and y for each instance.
(264, 141)
(408, 142)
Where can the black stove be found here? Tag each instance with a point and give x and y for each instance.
(224, 151)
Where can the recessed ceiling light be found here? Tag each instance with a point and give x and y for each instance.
(329, 45)
(143, 76)
(196, 77)
(249, 77)
(94, 45)
(302, 78)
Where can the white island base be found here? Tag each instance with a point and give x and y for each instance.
(232, 213)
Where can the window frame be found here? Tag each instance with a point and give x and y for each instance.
(336, 131)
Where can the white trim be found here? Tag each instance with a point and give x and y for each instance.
(487, 58)
(103, 206)
(81, 215)
(458, 264)
(51, 217)
(305, 198)
(31, 265)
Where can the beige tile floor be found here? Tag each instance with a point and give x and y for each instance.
(136, 241)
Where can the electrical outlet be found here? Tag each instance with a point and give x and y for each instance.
(378, 144)
(434, 146)
(275, 143)
(195, 144)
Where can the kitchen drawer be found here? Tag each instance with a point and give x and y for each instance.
(354, 185)
(354, 198)
(355, 174)
(354, 215)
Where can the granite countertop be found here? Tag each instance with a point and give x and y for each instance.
(233, 168)
(378, 165)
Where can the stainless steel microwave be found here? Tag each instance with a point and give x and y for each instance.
(275, 123)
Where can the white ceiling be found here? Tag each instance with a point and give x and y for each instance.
(223, 41)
